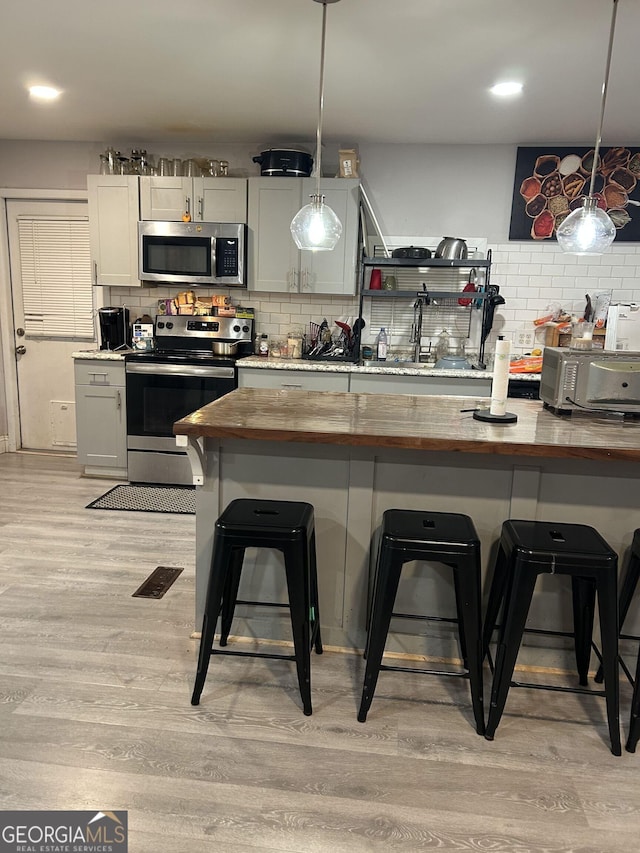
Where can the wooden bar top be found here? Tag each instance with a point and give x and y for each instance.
(412, 422)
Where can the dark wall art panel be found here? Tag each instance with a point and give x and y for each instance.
(552, 182)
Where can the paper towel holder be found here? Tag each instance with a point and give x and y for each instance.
(502, 361)
(485, 415)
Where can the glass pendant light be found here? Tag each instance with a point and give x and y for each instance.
(589, 229)
(315, 226)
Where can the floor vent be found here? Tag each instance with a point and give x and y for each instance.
(158, 582)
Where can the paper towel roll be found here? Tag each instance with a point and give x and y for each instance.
(500, 383)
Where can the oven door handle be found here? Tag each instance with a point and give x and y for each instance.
(193, 370)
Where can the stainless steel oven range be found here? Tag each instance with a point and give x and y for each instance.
(181, 375)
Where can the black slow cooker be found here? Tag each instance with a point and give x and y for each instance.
(285, 161)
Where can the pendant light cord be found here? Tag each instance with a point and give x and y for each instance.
(321, 102)
(605, 85)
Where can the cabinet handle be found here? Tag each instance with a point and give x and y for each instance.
(306, 283)
(291, 385)
(104, 375)
(291, 279)
(118, 400)
(187, 205)
(200, 207)
(95, 273)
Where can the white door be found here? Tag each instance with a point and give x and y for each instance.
(44, 340)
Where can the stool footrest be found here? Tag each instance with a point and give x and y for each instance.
(586, 691)
(464, 674)
(544, 631)
(251, 654)
(425, 618)
(263, 603)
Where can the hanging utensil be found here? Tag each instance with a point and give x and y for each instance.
(346, 330)
(493, 300)
(470, 287)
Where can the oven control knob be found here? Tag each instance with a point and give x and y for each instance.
(236, 328)
(245, 329)
(160, 325)
(169, 325)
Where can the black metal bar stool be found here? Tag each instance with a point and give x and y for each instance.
(634, 722)
(286, 526)
(447, 538)
(627, 591)
(526, 550)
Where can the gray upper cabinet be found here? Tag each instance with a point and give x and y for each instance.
(203, 199)
(113, 229)
(276, 265)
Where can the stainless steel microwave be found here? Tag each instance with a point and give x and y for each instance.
(208, 254)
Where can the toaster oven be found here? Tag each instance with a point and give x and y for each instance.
(596, 380)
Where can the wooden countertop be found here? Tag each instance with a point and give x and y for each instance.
(413, 422)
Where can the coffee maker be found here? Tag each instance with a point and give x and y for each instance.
(114, 328)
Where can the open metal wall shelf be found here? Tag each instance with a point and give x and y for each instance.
(468, 263)
(432, 271)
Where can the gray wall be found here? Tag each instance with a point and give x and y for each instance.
(416, 189)
(455, 190)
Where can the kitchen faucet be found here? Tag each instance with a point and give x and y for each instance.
(416, 328)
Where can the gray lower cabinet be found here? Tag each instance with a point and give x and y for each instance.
(361, 383)
(375, 383)
(296, 380)
(101, 417)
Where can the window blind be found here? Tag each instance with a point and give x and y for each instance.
(57, 295)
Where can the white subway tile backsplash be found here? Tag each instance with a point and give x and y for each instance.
(609, 283)
(625, 272)
(549, 293)
(516, 304)
(539, 281)
(527, 293)
(530, 276)
(516, 281)
(563, 281)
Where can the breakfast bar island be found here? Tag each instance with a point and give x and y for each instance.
(353, 456)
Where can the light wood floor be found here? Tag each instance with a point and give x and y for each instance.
(95, 714)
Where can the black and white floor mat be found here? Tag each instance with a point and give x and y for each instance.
(178, 499)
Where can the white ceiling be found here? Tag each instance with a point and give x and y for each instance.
(402, 71)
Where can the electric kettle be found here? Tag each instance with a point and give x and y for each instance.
(453, 248)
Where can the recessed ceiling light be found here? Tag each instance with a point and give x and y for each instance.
(503, 90)
(44, 93)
